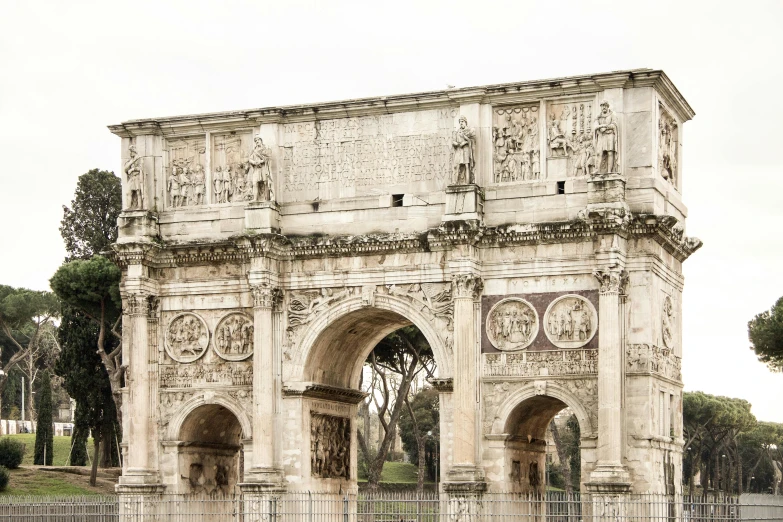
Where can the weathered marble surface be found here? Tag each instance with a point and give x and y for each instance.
(534, 234)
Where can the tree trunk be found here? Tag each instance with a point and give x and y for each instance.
(561, 456)
(95, 453)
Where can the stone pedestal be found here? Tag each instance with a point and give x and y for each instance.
(137, 225)
(138, 503)
(606, 196)
(260, 501)
(464, 202)
(262, 217)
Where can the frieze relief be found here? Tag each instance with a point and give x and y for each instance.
(651, 359)
(570, 321)
(537, 363)
(570, 137)
(512, 324)
(187, 337)
(516, 152)
(330, 446)
(186, 183)
(668, 139)
(234, 337)
(230, 167)
(206, 375)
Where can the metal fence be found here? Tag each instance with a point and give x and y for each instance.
(393, 507)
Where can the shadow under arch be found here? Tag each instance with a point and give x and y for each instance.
(178, 421)
(529, 402)
(335, 344)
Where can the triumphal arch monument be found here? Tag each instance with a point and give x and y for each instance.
(534, 232)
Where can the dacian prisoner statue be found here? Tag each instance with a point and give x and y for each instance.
(530, 231)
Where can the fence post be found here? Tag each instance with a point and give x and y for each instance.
(345, 508)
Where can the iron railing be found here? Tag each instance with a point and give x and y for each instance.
(392, 507)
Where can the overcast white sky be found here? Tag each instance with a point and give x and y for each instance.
(68, 69)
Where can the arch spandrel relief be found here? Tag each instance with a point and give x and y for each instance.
(570, 321)
(187, 337)
(512, 324)
(233, 338)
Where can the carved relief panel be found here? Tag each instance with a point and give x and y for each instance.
(512, 324)
(330, 446)
(516, 151)
(233, 337)
(186, 176)
(231, 181)
(569, 138)
(570, 321)
(668, 141)
(187, 337)
(667, 322)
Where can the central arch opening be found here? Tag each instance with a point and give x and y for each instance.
(210, 456)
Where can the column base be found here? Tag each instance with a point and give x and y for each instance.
(606, 197)
(262, 217)
(140, 489)
(464, 203)
(609, 478)
(259, 480)
(465, 479)
(139, 477)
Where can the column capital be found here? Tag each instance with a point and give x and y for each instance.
(266, 296)
(141, 304)
(467, 286)
(612, 280)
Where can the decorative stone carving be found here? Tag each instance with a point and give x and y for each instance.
(230, 168)
(464, 161)
(516, 150)
(170, 403)
(667, 322)
(260, 173)
(433, 297)
(134, 179)
(234, 337)
(668, 139)
(569, 136)
(606, 140)
(266, 295)
(187, 337)
(206, 375)
(136, 304)
(645, 358)
(570, 321)
(467, 286)
(548, 362)
(304, 306)
(512, 324)
(186, 183)
(612, 280)
(330, 444)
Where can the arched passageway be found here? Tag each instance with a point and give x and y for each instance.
(210, 456)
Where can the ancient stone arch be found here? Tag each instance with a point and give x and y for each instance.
(531, 231)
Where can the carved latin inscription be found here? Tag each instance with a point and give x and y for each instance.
(330, 446)
(234, 337)
(512, 324)
(570, 321)
(351, 155)
(187, 337)
(515, 140)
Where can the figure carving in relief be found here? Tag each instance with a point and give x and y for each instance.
(515, 145)
(434, 296)
(222, 183)
(585, 156)
(330, 443)
(512, 324)
(199, 185)
(303, 306)
(606, 139)
(134, 176)
(667, 322)
(260, 173)
(187, 337)
(667, 147)
(570, 321)
(234, 337)
(464, 160)
(557, 139)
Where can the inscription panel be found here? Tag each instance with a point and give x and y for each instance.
(367, 155)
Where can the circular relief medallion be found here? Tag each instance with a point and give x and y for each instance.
(234, 337)
(187, 337)
(570, 321)
(512, 324)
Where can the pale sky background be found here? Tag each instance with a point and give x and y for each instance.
(68, 69)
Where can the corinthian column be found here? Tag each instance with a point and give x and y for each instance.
(466, 291)
(610, 471)
(265, 469)
(136, 409)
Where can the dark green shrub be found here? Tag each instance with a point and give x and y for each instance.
(11, 453)
(5, 476)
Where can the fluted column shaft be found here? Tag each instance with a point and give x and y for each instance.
(138, 387)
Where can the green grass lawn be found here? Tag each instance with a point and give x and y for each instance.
(26, 481)
(62, 448)
(399, 472)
